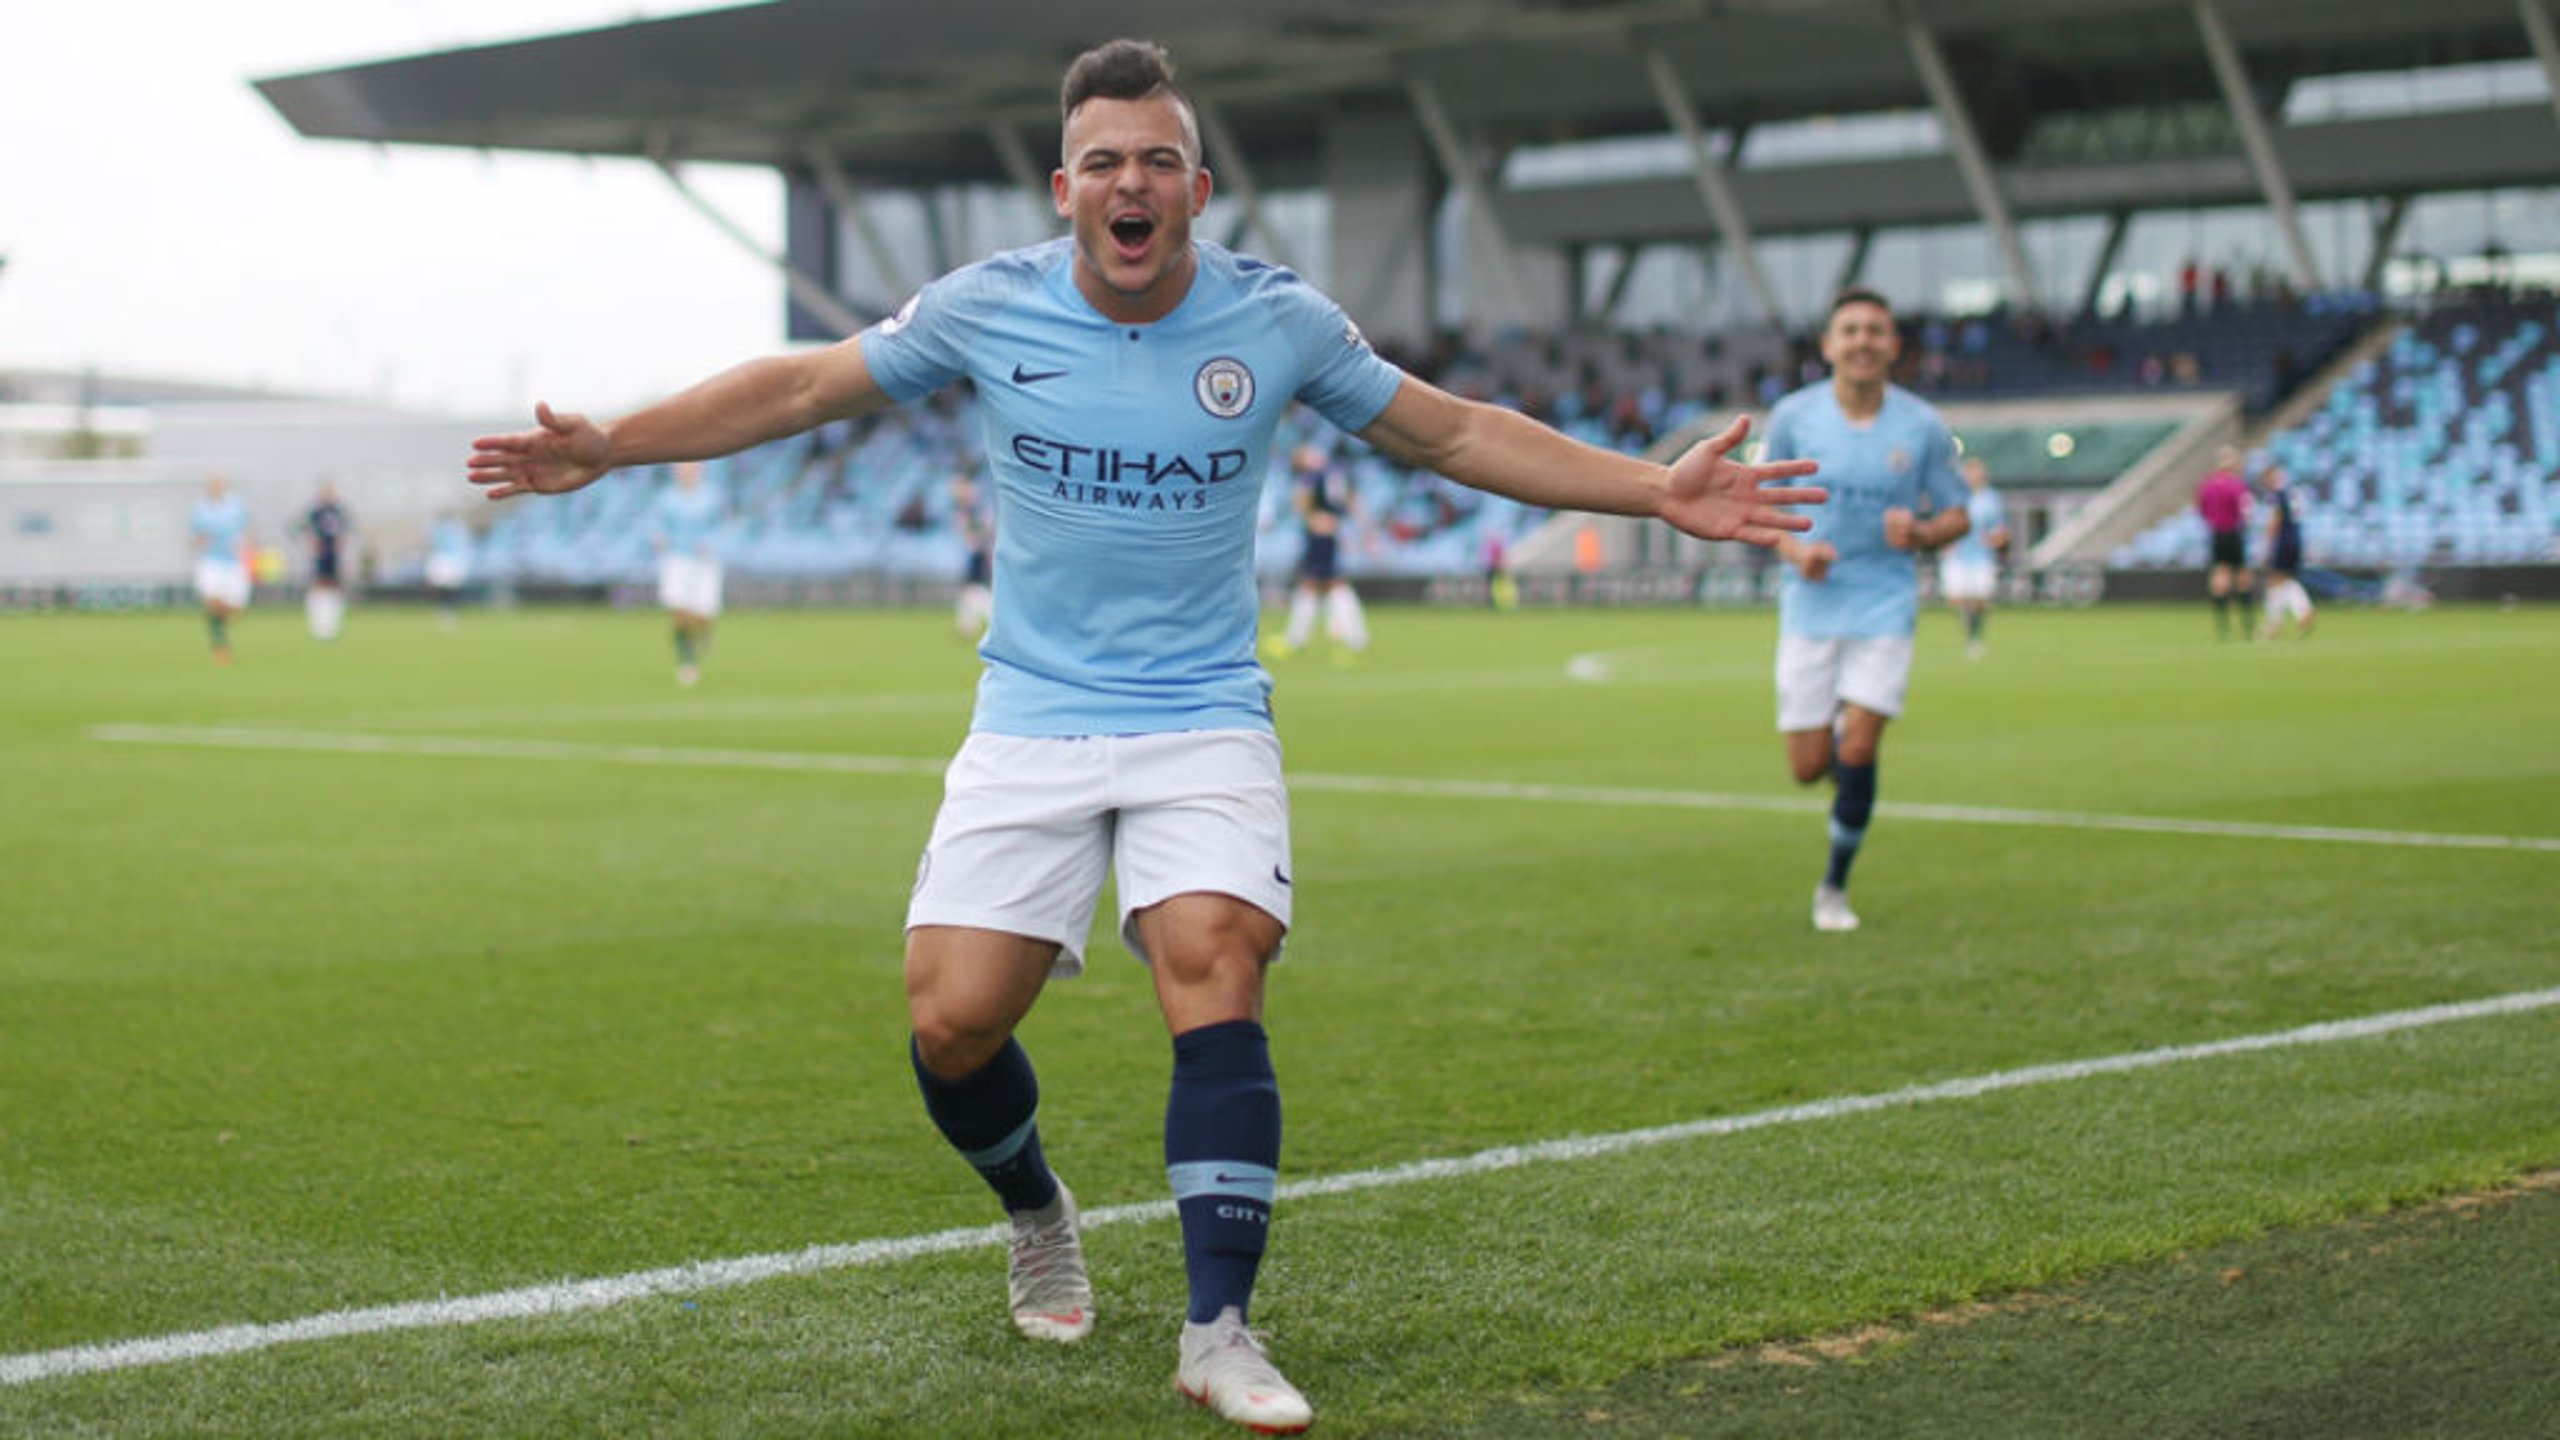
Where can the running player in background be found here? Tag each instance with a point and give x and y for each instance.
(325, 527)
(1969, 569)
(1848, 605)
(449, 567)
(2287, 602)
(1321, 496)
(1130, 379)
(220, 524)
(687, 531)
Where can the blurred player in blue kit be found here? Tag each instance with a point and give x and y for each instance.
(1850, 599)
(1130, 379)
(685, 525)
(1969, 569)
(449, 547)
(219, 525)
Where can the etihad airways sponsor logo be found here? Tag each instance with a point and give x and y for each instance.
(1098, 465)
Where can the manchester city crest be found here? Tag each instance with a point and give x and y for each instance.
(1225, 388)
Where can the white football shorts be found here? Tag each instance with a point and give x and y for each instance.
(1966, 579)
(2286, 600)
(689, 583)
(448, 571)
(222, 580)
(1029, 824)
(1816, 676)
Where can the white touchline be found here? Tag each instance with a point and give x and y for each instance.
(579, 1295)
(504, 748)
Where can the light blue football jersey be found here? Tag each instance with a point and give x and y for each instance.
(218, 526)
(1128, 463)
(687, 522)
(1989, 512)
(1903, 457)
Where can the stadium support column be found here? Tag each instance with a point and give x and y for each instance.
(1971, 162)
(813, 295)
(2234, 79)
(1380, 196)
(2118, 222)
(1027, 177)
(1235, 177)
(2389, 212)
(1713, 187)
(848, 203)
(2546, 45)
(1491, 245)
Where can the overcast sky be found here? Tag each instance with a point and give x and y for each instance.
(161, 219)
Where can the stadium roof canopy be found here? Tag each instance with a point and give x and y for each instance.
(912, 94)
(2042, 107)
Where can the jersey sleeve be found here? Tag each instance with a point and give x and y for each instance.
(1778, 432)
(925, 346)
(1341, 378)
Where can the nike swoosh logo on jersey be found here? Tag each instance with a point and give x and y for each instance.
(1023, 375)
(1279, 874)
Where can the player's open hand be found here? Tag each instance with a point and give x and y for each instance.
(563, 453)
(1716, 497)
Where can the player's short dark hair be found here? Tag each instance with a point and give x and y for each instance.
(1118, 70)
(1861, 295)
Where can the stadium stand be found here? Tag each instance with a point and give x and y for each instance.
(2438, 452)
(873, 497)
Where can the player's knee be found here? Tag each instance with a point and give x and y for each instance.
(951, 1045)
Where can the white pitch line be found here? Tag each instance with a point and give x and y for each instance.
(498, 748)
(572, 1297)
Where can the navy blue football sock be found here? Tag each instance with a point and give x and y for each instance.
(1850, 808)
(1222, 1153)
(991, 1117)
(684, 646)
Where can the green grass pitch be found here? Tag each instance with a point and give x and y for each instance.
(427, 965)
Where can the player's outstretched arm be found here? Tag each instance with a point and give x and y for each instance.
(740, 407)
(1706, 492)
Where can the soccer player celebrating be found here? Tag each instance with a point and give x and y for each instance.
(1851, 599)
(1130, 380)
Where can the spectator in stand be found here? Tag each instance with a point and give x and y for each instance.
(2223, 500)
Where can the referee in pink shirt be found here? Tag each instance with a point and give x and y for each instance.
(2223, 500)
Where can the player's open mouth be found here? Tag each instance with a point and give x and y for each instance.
(1131, 234)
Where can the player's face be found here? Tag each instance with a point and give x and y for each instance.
(1860, 344)
(1130, 184)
